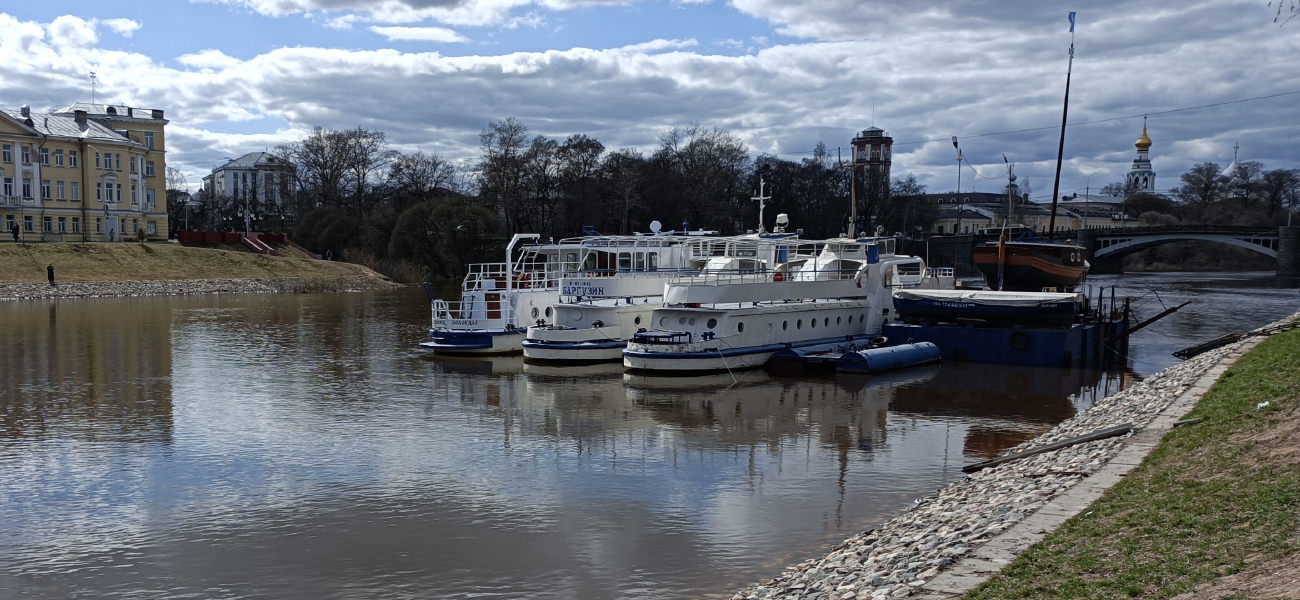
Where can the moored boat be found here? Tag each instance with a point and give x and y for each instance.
(831, 291)
(1018, 308)
(1031, 266)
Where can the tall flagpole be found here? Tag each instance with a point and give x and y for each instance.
(1060, 149)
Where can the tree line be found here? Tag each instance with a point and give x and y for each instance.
(418, 215)
(1208, 194)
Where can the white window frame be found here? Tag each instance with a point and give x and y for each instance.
(72, 158)
(148, 140)
(148, 168)
(7, 153)
(58, 158)
(75, 195)
(27, 187)
(46, 190)
(45, 156)
(59, 191)
(76, 224)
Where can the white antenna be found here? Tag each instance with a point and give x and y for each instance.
(93, 80)
(761, 198)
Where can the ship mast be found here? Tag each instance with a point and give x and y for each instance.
(1060, 149)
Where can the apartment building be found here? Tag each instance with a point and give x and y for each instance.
(87, 172)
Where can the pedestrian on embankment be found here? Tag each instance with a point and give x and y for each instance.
(49, 272)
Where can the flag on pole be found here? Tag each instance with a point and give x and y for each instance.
(1072, 22)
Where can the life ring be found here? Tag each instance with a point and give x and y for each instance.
(778, 276)
(1020, 340)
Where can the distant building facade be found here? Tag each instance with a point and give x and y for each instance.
(260, 180)
(87, 172)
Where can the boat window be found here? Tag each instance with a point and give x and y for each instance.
(590, 263)
(535, 312)
(640, 261)
(746, 250)
(691, 321)
(826, 322)
(654, 261)
(681, 320)
(711, 323)
(571, 261)
(837, 320)
(637, 320)
(862, 318)
(798, 324)
(850, 319)
(785, 325)
(740, 327)
(813, 323)
(548, 311)
(663, 321)
(625, 261)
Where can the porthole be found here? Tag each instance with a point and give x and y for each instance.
(548, 311)
(691, 321)
(663, 321)
(637, 320)
(711, 323)
(785, 325)
(826, 322)
(681, 320)
(577, 315)
(837, 320)
(798, 324)
(862, 318)
(850, 319)
(536, 312)
(740, 327)
(812, 323)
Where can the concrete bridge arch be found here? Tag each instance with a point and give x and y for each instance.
(1108, 247)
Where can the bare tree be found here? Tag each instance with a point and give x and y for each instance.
(501, 170)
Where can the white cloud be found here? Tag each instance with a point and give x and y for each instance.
(123, 27)
(73, 32)
(946, 75)
(208, 59)
(420, 34)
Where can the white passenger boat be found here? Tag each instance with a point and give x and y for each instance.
(601, 309)
(498, 300)
(836, 290)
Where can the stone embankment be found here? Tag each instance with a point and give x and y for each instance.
(182, 287)
(897, 559)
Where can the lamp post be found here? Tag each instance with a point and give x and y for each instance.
(1087, 188)
(960, 203)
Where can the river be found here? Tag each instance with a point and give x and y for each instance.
(299, 446)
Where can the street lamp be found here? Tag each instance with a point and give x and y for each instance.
(1087, 188)
(960, 203)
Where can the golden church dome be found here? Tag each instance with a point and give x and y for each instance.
(1143, 142)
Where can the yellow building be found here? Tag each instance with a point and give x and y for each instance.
(88, 172)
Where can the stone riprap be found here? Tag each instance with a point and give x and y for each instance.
(182, 287)
(899, 557)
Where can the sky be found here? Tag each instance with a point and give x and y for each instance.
(237, 76)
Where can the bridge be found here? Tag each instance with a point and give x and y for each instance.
(1108, 247)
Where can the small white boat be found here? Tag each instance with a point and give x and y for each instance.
(831, 291)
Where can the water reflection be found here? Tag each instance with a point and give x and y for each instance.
(86, 370)
(300, 447)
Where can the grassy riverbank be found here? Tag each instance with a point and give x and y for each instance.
(1213, 512)
(164, 262)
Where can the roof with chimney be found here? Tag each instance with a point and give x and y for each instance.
(64, 126)
(114, 112)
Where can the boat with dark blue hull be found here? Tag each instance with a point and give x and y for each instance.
(1020, 308)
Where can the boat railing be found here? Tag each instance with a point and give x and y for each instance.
(498, 276)
(718, 278)
(932, 272)
(488, 313)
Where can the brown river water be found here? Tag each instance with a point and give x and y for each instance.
(300, 446)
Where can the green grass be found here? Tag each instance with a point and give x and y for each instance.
(1213, 499)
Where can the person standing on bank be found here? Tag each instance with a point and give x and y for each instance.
(49, 271)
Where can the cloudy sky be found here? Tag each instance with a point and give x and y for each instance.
(236, 76)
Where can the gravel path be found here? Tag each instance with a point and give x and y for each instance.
(106, 289)
(901, 555)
